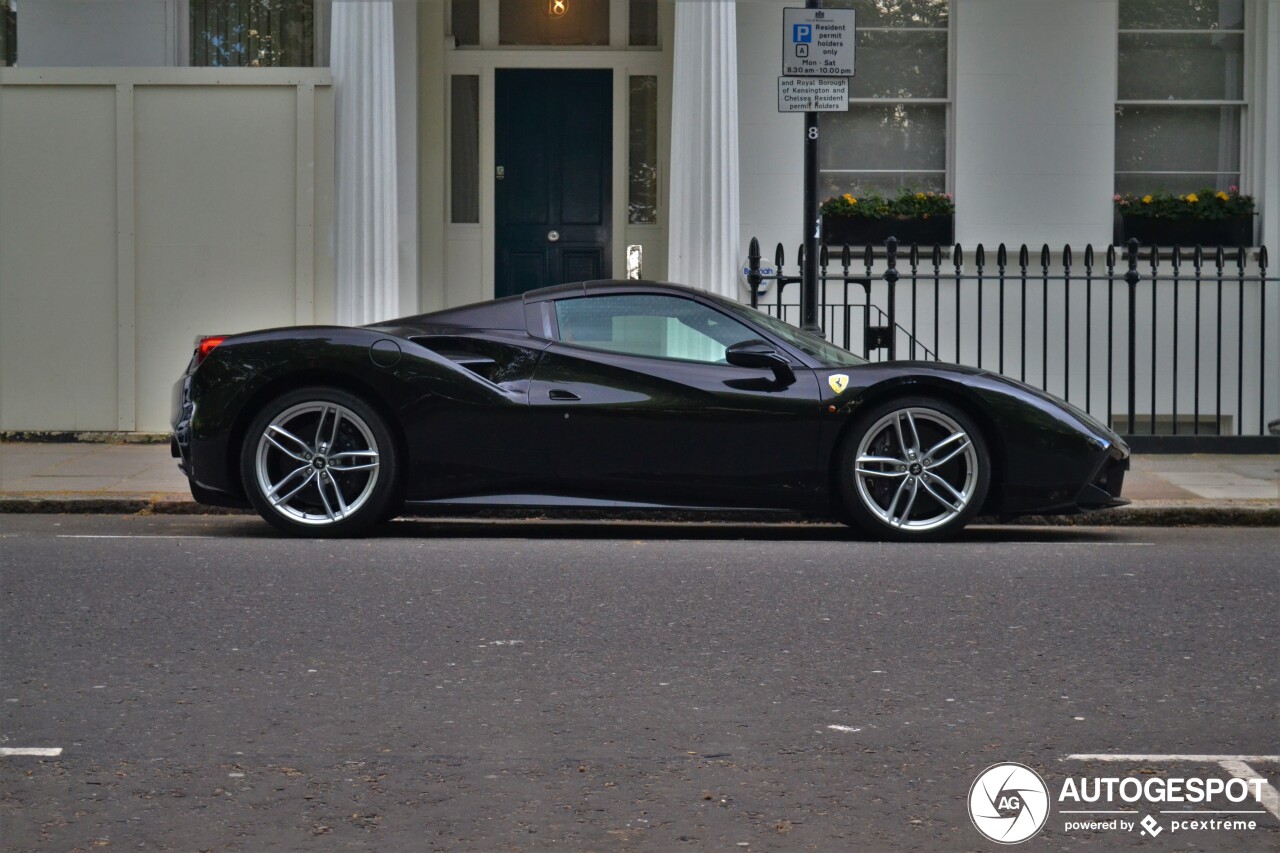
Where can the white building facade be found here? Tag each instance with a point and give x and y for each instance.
(381, 158)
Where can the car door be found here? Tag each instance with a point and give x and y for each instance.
(645, 407)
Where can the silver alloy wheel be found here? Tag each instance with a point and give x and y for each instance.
(916, 469)
(317, 463)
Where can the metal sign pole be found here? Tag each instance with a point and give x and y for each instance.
(817, 62)
(812, 220)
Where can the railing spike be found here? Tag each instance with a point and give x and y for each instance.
(957, 256)
(1240, 258)
(1002, 256)
(1219, 258)
(937, 256)
(1044, 256)
(891, 248)
(1262, 257)
(1066, 256)
(1177, 257)
(824, 257)
(914, 257)
(1088, 256)
(846, 255)
(1153, 256)
(1111, 258)
(1197, 257)
(1024, 257)
(779, 257)
(980, 257)
(868, 256)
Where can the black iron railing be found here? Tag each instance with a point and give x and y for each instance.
(1155, 342)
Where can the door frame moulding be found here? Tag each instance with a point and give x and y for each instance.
(624, 64)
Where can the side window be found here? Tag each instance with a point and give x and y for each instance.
(649, 325)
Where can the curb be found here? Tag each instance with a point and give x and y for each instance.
(1165, 515)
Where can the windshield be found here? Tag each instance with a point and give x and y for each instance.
(810, 344)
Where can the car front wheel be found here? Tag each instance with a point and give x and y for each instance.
(320, 462)
(914, 469)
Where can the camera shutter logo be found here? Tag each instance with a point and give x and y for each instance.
(1008, 803)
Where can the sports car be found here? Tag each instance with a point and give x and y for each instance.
(620, 394)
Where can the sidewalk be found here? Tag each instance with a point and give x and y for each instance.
(130, 478)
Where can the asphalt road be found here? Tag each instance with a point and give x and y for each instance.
(499, 686)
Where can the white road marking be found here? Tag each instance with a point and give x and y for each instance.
(1198, 759)
(838, 728)
(30, 750)
(1236, 765)
(1268, 796)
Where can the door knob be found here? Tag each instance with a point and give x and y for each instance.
(553, 236)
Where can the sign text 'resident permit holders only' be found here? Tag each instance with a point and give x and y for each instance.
(817, 42)
(813, 94)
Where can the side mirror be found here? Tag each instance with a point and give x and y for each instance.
(758, 354)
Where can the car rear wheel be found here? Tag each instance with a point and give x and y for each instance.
(914, 469)
(320, 462)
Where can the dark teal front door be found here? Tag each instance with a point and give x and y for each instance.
(553, 187)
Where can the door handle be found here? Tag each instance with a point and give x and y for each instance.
(553, 236)
(562, 395)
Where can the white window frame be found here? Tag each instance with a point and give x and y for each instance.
(1243, 103)
(947, 102)
(181, 28)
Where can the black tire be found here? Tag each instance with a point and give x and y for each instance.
(320, 462)
(923, 487)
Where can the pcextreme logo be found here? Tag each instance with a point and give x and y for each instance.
(1008, 803)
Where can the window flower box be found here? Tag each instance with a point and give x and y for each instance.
(1207, 218)
(923, 218)
(859, 231)
(1236, 231)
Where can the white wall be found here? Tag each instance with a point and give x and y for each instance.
(97, 32)
(141, 207)
(1033, 139)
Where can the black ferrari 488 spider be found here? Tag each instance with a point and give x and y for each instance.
(623, 395)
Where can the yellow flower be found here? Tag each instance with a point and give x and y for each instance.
(1192, 198)
(919, 195)
(1146, 199)
(1220, 194)
(852, 200)
(848, 198)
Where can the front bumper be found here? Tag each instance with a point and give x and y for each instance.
(1103, 489)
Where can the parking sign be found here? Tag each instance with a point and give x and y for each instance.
(817, 42)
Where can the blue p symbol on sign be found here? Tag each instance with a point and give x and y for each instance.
(801, 33)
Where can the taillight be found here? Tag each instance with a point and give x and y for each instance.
(206, 345)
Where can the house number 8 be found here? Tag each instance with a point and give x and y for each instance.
(813, 133)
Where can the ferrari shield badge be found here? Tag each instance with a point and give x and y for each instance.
(838, 382)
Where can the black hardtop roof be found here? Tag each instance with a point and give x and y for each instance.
(507, 313)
